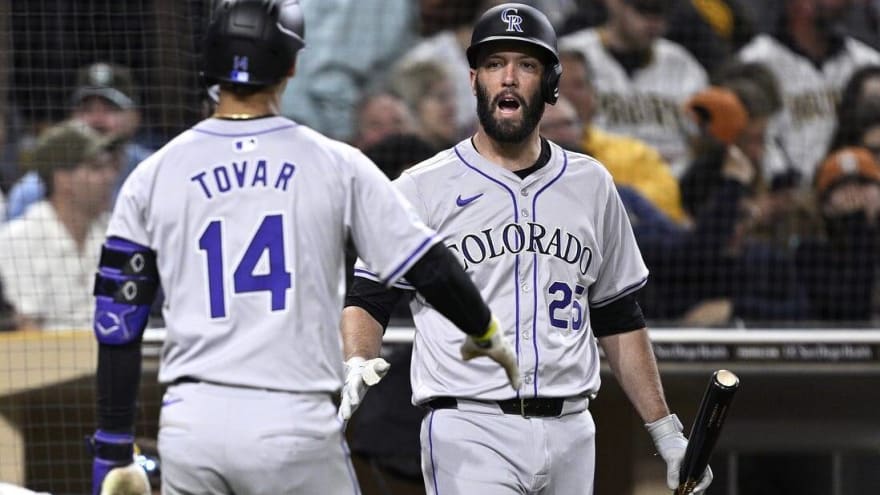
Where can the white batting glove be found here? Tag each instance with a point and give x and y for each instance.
(671, 445)
(126, 480)
(493, 345)
(360, 375)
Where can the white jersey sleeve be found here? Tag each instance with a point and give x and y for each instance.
(380, 217)
(622, 271)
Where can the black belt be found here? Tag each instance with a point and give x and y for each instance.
(540, 407)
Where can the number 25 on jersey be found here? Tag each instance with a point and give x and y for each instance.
(269, 238)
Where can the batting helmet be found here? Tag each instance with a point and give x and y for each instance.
(518, 22)
(253, 42)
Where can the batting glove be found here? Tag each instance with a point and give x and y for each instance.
(360, 375)
(671, 445)
(493, 345)
(113, 469)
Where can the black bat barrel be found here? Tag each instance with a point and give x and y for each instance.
(706, 428)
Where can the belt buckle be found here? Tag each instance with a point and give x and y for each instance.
(522, 408)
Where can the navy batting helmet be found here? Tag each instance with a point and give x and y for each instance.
(253, 42)
(518, 22)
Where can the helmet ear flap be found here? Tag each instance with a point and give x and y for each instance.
(550, 84)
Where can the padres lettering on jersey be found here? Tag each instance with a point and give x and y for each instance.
(646, 105)
(542, 250)
(810, 94)
(258, 277)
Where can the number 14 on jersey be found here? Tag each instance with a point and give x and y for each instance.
(269, 238)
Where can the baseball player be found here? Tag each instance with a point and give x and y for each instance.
(242, 220)
(544, 235)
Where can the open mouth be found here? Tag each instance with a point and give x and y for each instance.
(508, 104)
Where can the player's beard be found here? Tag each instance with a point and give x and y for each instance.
(508, 131)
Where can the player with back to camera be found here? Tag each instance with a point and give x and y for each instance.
(243, 219)
(544, 235)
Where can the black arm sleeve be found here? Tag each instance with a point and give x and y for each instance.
(440, 280)
(621, 316)
(118, 379)
(373, 298)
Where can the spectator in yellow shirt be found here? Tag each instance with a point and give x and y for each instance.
(630, 161)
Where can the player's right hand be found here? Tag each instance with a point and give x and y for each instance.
(668, 436)
(360, 375)
(126, 480)
(493, 345)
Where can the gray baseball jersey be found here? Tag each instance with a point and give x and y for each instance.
(647, 104)
(542, 250)
(249, 222)
(809, 94)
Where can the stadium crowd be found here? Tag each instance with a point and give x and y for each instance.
(744, 140)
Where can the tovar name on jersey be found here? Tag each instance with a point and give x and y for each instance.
(514, 238)
(224, 178)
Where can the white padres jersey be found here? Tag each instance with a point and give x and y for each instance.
(542, 250)
(249, 221)
(810, 95)
(648, 105)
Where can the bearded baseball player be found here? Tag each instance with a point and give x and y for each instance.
(544, 235)
(242, 220)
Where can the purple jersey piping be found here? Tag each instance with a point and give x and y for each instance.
(246, 134)
(516, 258)
(629, 289)
(431, 451)
(535, 272)
(412, 258)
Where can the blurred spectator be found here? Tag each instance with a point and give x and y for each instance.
(863, 84)
(731, 124)
(349, 45)
(447, 27)
(812, 60)
(839, 270)
(712, 31)
(379, 115)
(632, 163)
(562, 125)
(105, 99)
(397, 152)
(50, 254)
(641, 79)
(428, 92)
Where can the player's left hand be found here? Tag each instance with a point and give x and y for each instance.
(671, 445)
(360, 375)
(495, 346)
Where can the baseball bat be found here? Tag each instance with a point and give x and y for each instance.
(706, 429)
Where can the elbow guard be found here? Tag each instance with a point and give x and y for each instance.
(125, 287)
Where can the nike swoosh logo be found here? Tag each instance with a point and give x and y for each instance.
(466, 201)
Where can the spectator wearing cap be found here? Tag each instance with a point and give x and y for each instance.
(839, 270)
(50, 253)
(105, 99)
